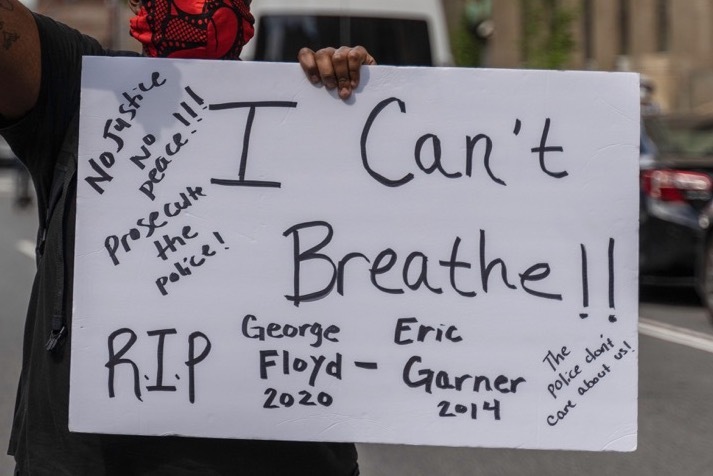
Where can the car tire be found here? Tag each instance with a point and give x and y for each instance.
(707, 278)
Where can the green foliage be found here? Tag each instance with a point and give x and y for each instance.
(547, 41)
(467, 48)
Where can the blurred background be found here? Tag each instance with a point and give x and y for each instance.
(669, 43)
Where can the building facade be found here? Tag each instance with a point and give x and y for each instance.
(105, 20)
(671, 42)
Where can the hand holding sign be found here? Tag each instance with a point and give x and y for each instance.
(442, 270)
(335, 68)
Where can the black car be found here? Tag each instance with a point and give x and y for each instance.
(676, 193)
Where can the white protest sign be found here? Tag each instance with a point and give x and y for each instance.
(448, 258)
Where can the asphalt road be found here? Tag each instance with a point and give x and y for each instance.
(675, 386)
(16, 274)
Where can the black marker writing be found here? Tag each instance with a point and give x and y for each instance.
(159, 386)
(113, 128)
(171, 243)
(426, 378)
(544, 148)
(612, 317)
(365, 137)
(252, 106)
(273, 330)
(184, 268)
(130, 341)
(578, 377)
(552, 420)
(333, 271)
(194, 360)
(585, 282)
(611, 278)
(161, 163)
(434, 153)
(290, 364)
(116, 358)
(146, 226)
(403, 334)
(555, 359)
(366, 365)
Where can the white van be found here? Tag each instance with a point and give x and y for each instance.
(396, 32)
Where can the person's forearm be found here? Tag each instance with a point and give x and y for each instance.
(19, 60)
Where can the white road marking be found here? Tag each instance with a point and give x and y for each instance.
(678, 335)
(27, 248)
(649, 327)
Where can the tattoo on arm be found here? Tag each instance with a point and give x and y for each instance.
(7, 38)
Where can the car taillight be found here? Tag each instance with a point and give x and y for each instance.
(676, 185)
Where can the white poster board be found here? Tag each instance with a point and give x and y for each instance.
(448, 258)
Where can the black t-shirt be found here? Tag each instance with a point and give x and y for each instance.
(46, 142)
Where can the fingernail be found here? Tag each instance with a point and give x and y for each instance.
(315, 79)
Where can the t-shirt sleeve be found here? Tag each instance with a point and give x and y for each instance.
(37, 137)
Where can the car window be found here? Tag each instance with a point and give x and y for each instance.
(394, 41)
(687, 137)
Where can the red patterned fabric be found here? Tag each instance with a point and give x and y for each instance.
(215, 29)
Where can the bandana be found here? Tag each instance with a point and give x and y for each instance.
(208, 29)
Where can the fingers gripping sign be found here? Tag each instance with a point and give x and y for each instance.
(335, 68)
